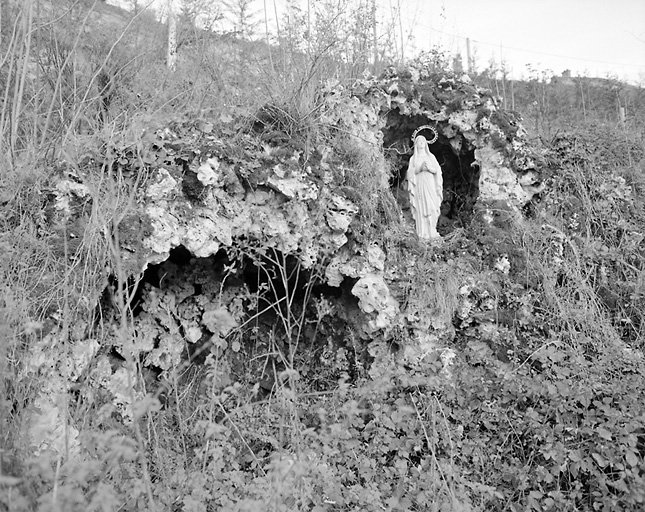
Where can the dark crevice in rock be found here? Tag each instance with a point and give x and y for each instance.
(275, 275)
(182, 256)
(460, 186)
(181, 267)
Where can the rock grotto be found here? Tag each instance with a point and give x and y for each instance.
(268, 232)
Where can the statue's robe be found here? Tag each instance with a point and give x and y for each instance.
(425, 186)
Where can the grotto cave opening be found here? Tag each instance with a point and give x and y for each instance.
(455, 156)
(243, 303)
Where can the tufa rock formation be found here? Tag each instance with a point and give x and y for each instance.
(277, 224)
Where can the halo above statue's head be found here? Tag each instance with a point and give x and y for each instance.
(435, 134)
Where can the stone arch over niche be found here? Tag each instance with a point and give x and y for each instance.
(457, 159)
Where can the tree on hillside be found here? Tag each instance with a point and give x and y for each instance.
(242, 15)
(202, 14)
(344, 33)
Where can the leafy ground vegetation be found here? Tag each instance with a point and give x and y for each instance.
(534, 402)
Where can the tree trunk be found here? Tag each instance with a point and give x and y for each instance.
(171, 56)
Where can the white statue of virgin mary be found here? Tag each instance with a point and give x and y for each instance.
(425, 185)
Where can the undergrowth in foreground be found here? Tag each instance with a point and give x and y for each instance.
(540, 410)
(537, 403)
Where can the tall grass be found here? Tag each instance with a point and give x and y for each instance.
(53, 271)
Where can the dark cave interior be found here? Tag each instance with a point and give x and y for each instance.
(459, 168)
(172, 299)
(268, 275)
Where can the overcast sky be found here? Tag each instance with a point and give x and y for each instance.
(593, 37)
(589, 37)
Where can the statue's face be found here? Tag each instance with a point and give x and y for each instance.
(420, 144)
